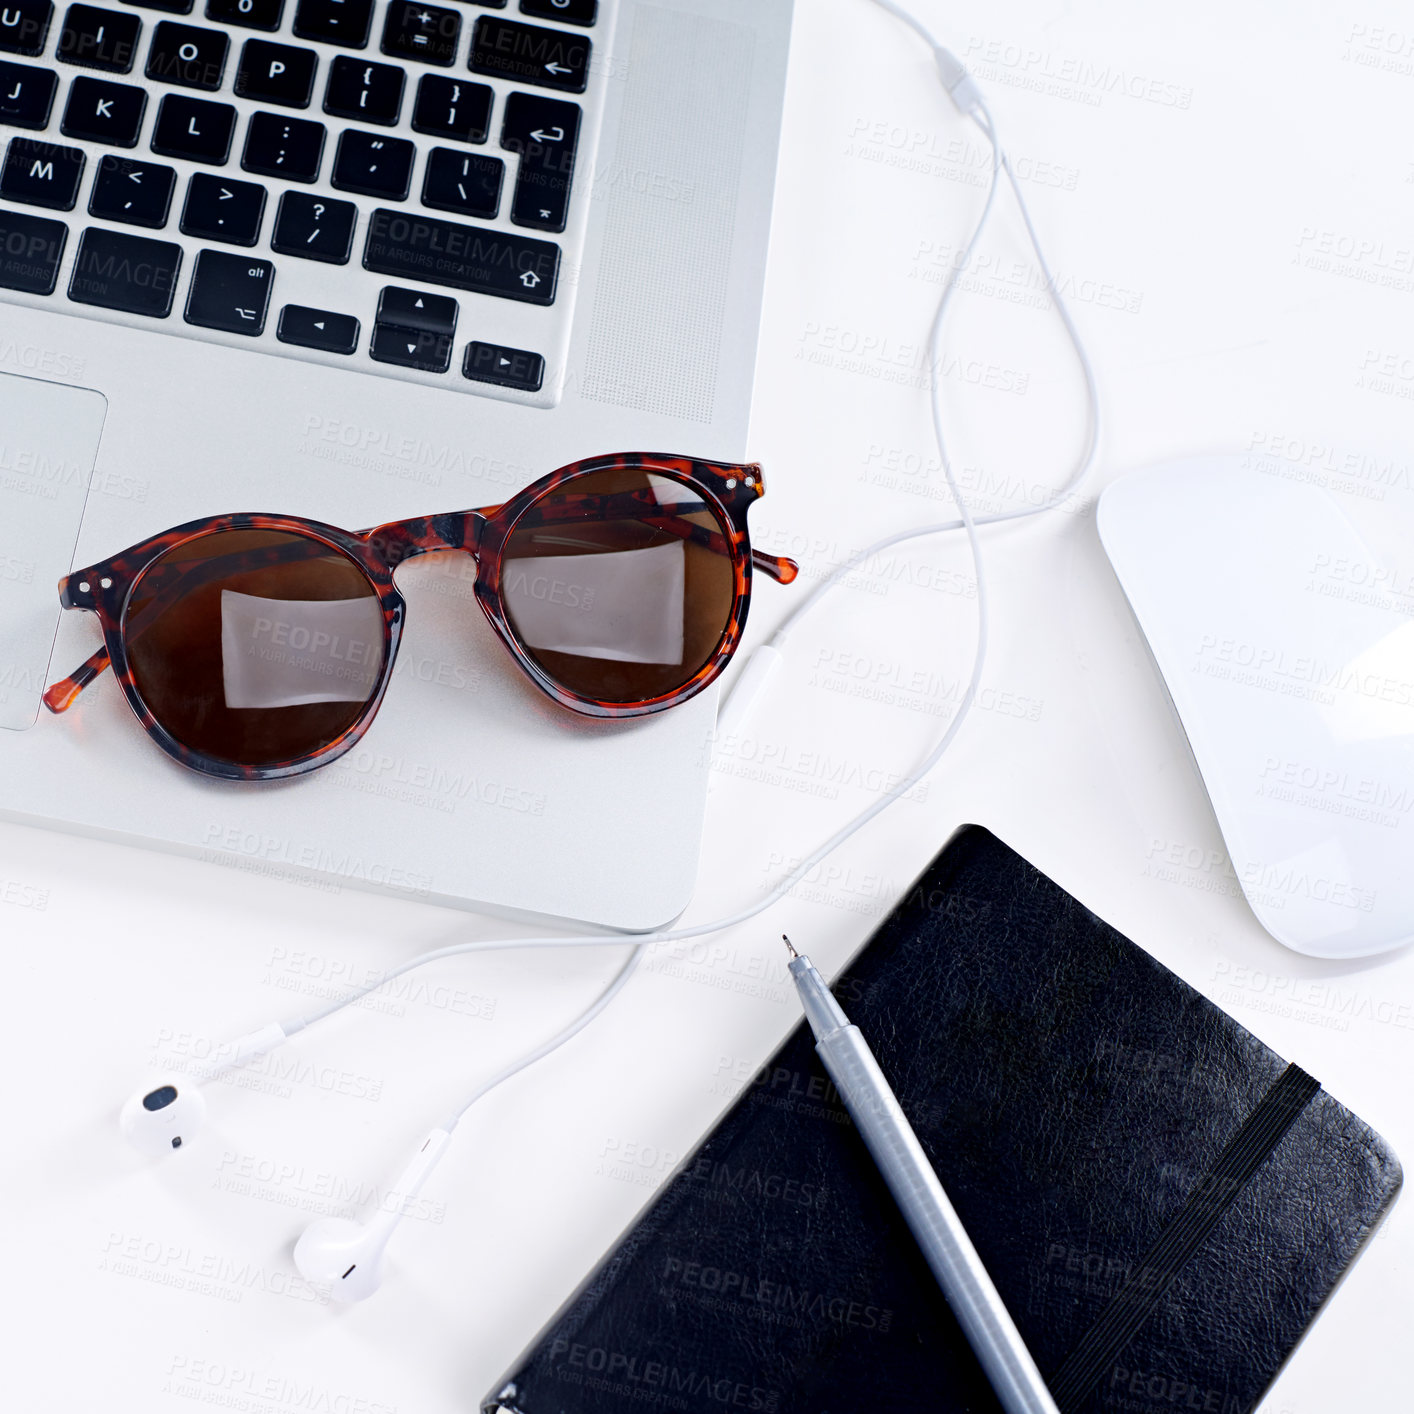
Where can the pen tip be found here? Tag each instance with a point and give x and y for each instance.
(790, 945)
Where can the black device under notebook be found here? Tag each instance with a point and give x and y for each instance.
(1163, 1202)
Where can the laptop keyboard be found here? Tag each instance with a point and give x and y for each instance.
(375, 184)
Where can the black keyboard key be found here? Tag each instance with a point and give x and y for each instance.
(187, 55)
(422, 32)
(103, 111)
(317, 329)
(131, 273)
(42, 173)
(550, 58)
(220, 209)
(26, 95)
(412, 309)
(314, 227)
(507, 368)
(194, 128)
(277, 146)
(30, 250)
(475, 258)
(465, 182)
(369, 93)
(230, 292)
(452, 108)
(276, 73)
(567, 12)
(172, 7)
(373, 165)
(139, 193)
(98, 39)
(24, 26)
(545, 131)
(342, 22)
(411, 348)
(249, 14)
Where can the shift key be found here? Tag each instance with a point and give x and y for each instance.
(475, 258)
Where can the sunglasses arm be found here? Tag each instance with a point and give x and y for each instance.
(60, 695)
(782, 570)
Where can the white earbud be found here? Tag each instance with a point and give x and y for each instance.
(165, 1116)
(348, 1256)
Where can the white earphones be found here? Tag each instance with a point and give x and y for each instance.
(167, 1115)
(348, 1255)
(163, 1117)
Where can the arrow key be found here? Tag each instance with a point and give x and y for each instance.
(317, 329)
(415, 309)
(411, 348)
(135, 192)
(507, 368)
(222, 209)
(230, 292)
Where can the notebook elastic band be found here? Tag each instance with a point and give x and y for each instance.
(1243, 1155)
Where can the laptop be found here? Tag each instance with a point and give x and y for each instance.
(232, 279)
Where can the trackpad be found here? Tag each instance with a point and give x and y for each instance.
(48, 445)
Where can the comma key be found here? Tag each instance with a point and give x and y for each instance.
(473, 258)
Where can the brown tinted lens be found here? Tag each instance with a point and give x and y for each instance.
(254, 646)
(619, 584)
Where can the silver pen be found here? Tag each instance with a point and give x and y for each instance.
(931, 1218)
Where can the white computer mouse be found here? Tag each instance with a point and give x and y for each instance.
(1288, 654)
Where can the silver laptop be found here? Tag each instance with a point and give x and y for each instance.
(221, 226)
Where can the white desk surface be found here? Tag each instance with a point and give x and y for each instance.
(1226, 194)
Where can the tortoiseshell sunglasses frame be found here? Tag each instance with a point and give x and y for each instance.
(105, 588)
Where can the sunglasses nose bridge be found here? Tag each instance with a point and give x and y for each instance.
(427, 535)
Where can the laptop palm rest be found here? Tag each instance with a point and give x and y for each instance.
(48, 446)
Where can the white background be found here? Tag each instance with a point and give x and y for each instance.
(1226, 193)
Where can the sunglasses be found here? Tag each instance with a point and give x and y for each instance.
(253, 647)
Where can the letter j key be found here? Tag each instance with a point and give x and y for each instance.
(26, 95)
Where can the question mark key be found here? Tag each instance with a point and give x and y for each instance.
(314, 227)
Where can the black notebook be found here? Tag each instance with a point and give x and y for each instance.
(1162, 1201)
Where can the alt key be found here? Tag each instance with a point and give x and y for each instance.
(317, 329)
(508, 368)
